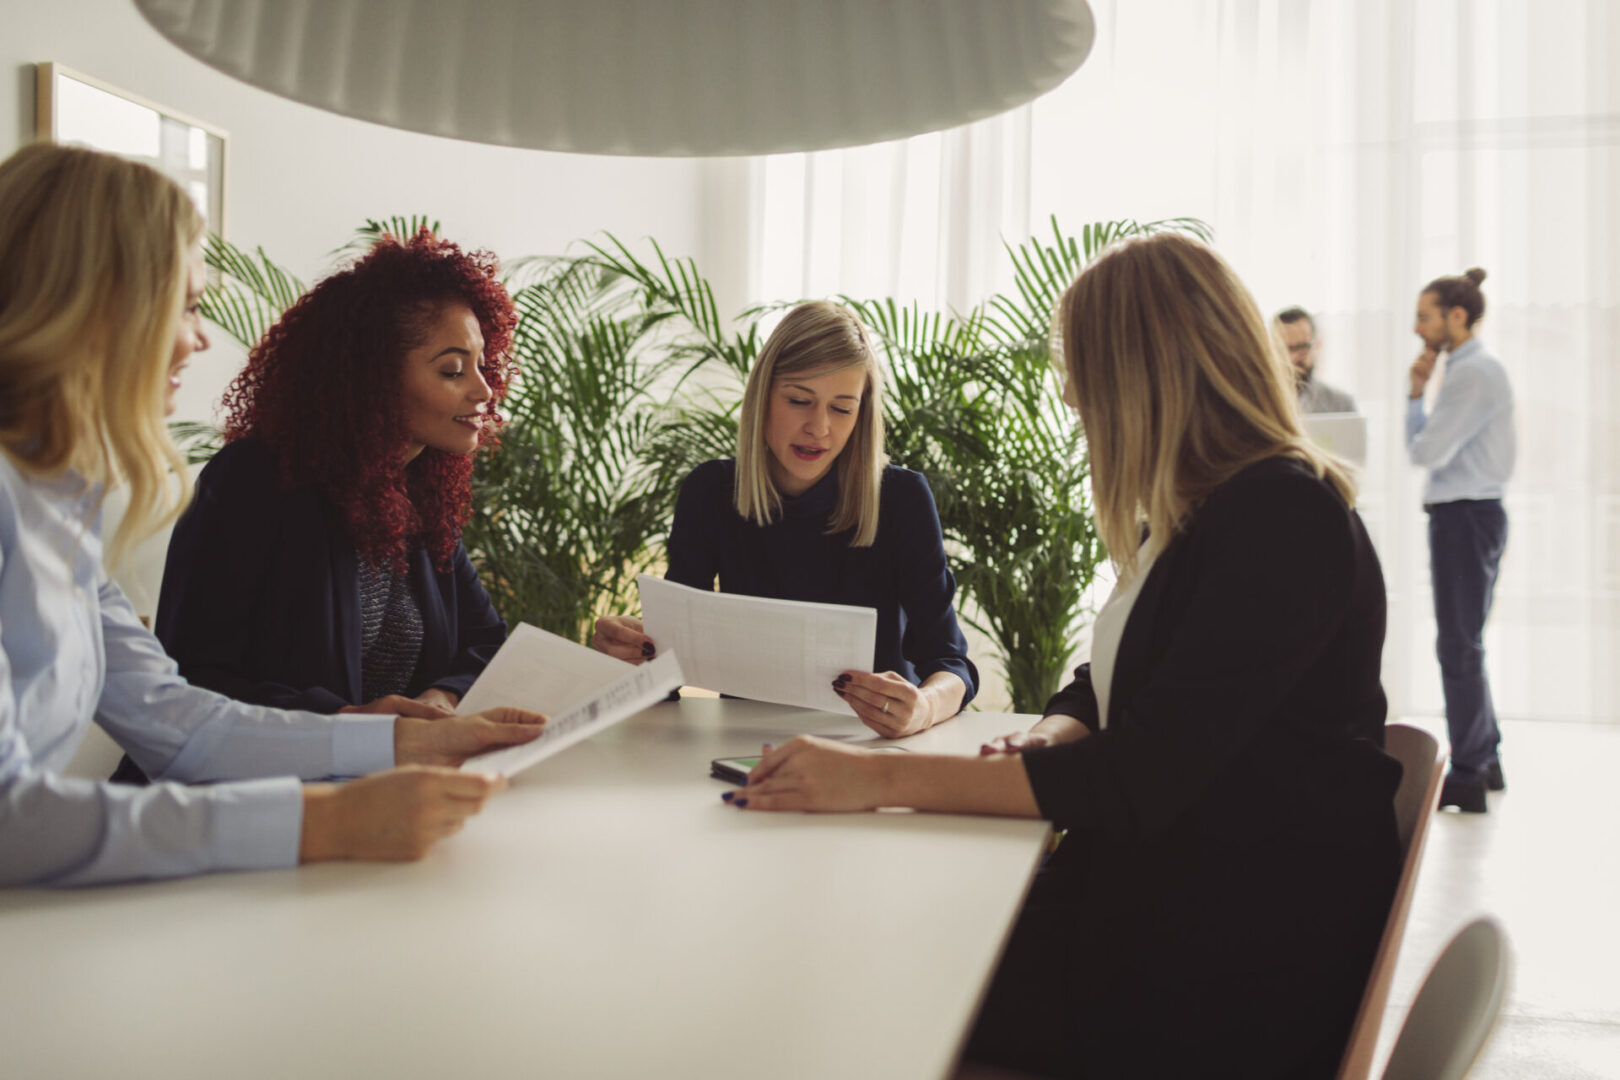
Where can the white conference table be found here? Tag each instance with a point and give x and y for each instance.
(608, 916)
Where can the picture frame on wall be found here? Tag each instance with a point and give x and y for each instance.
(72, 107)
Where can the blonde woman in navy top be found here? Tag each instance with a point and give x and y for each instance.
(810, 510)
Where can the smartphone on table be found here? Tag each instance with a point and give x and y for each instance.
(735, 770)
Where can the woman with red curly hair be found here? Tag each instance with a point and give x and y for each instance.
(321, 566)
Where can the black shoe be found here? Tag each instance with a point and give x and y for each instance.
(1493, 778)
(1466, 795)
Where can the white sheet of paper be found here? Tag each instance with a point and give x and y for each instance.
(784, 651)
(580, 690)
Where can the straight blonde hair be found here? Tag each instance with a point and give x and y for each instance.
(1179, 386)
(815, 339)
(93, 253)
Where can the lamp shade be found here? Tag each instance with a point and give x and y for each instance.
(654, 77)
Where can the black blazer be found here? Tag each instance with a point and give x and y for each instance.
(261, 596)
(1232, 848)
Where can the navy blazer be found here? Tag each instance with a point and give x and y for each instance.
(261, 596)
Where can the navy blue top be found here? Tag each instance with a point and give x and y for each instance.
(903, 574)
(261, 596)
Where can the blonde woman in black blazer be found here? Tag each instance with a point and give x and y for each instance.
(1231, 849)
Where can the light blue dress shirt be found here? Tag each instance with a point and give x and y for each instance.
(71, 651)
(1467, 442)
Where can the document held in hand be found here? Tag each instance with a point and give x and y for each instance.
(580, 690)
(784, 651)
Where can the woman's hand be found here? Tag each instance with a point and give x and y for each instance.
(453, 740)
(621, 636)
(399, 705)
(390, 816)
(887, 703)
(814, 774)
(1048, 731)
(444, 699)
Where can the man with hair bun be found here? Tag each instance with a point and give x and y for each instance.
(1466, 442)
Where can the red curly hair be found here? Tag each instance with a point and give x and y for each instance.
(323, 392)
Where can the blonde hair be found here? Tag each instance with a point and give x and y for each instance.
(1180, 387)
(815, 339)
(92, 287)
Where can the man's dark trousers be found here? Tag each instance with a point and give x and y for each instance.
(1466, 539)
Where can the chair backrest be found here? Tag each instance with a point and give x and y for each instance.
(1455, 1008)
(1415, 799)
(1421, 764)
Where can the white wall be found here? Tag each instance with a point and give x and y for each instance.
(300, 180)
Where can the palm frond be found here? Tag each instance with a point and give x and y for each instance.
(399, 226)
(248, 292)
(198, 442)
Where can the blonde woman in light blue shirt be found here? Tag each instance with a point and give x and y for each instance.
(100, 275)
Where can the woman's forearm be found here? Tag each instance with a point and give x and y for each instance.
(1060, 728)
(960, 785)
(944, 692)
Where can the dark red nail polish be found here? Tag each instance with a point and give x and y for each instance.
(739, 802)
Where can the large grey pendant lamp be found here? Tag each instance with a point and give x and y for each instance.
(654, 77)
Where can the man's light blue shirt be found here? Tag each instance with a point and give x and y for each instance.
(71, 651)
(1467, 442)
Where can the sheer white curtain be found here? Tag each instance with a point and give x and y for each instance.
(1346, 152)
(918, 219)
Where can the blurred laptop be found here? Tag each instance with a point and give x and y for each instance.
(1343, 435)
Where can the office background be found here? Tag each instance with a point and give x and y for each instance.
(1344, 153)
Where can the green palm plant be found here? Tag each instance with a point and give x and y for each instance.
(366, 236)
(978, 411)
(1022, 515)
(246, 294)
(569, 509)
(697, 420)
(247, 291)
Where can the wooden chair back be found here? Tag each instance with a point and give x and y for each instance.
(1423, 764)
